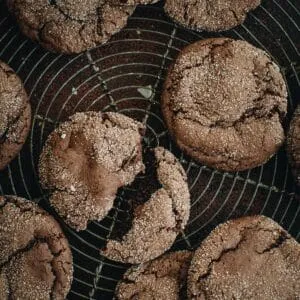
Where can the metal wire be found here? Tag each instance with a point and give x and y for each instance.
(110, 77)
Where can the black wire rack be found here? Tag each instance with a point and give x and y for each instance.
(126, 75)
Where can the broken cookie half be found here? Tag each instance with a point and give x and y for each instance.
(159, 220)
(84, 162)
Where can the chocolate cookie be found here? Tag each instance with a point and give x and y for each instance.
(35, 258)
(223, 102)
(70, 26)
(247, 258)
(84, 162)
(158, 221)
(162, 278)
(135, 2)
(15, 115)
(210, 15)
(293, 145)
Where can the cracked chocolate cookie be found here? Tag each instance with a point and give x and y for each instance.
(224, 101)
(162, 278)
(135, 2)
(159, 220)
(15, 115)
(246, 258)
(210, 15)
(35, 258)
(70, 26)
(293, 145)
(84, 162)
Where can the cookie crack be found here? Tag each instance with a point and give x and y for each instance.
(245, 234)
(255, 111)
(62, 264)
(66, 18)
(282, 238)
(155, 273)
(186, 14)
(9, 287)
(129, 281)
(235, 15)
(25, 249)
(5, 202)
(134, 296)
(224, 251)
(54, 271)
(14, 120)
(40, 30)
(8, 73)
(250, 113)
(212, 47)
(66, 15)
(255, 227)
(177, 217)
(180, 75)
(176, 213)
(221, 156)
(100, 30)
(83, 27)
(218, 259)
(131, 160)
(11, 200)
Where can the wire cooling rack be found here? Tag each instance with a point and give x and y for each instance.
(126, 75)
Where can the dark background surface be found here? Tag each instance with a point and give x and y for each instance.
(110, 77)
